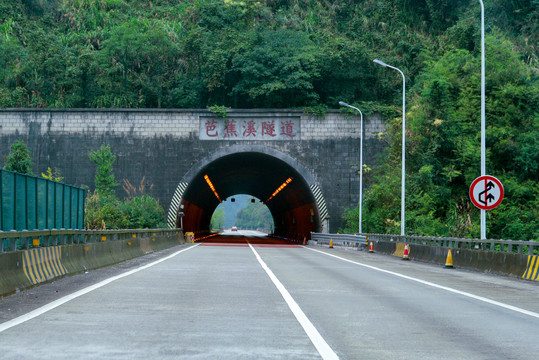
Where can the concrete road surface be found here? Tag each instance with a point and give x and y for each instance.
(248, 299)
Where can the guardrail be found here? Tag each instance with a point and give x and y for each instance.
(20, 240)
(507, 246)
(340, 239)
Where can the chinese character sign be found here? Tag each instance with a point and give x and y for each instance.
(239, 128)
(211, 128)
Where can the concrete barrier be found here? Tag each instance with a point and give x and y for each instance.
(27, 268)
(13, 278)
(487, 261)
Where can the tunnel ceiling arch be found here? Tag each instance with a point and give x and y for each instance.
(257, 171)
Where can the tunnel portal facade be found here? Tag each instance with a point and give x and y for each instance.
(168, 153)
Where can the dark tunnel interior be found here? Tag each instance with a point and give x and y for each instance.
(260, 175)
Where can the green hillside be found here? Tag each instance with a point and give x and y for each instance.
(311, 54)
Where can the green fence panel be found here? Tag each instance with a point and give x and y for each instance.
(73, 205)
(1, 202)
(80, 212)
(51, 204)
(31, 203)
(8, 201)
(66, 221)
(41, 204)
(20, 202)
(59, 206)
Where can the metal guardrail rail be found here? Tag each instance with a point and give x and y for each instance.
(20, 240)
(340, 239)
(507, 246)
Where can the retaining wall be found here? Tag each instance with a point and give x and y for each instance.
(24, 269)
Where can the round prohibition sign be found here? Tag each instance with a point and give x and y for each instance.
(486, 192)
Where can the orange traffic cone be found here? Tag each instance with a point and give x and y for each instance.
(449, 260)
(304, 240)
(371, 247)
(331, 243)
(406, 252)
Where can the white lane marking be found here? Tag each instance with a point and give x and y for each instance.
(428, 283)
(318, 341)
(50, 306)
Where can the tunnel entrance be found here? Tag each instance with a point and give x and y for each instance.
(279, 181)
(243, 212)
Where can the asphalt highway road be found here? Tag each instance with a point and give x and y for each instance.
(245, 297)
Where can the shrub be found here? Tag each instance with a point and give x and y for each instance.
(143, 212)
(107, 212)
(19, 159)
(104, 212)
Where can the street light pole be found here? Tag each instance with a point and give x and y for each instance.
(403, 195)
(360, 164)
(483, 150)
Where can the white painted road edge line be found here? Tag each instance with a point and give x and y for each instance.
(318, 341)
(428, 283)
(42, 310)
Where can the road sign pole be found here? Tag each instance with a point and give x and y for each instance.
(483, 151)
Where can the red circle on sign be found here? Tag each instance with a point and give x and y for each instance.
(484, 189)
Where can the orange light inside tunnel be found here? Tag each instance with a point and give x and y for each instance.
(210, 184)
(288, 181)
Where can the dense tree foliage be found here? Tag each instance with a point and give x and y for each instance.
(198, 53)
(218, 219)
(311, 54)
(255, 216)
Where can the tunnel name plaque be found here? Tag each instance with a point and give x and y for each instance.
(250, 128)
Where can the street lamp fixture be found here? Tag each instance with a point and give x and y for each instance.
(380, 62)
(403, 216)
(342, 103)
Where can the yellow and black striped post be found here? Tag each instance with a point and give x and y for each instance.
(532, 268)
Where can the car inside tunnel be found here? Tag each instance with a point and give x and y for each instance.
(277, 183)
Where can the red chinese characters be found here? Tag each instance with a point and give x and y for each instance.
(249, 129)
(230, 129)
(268, 128)
(211, 128)
(287, 128)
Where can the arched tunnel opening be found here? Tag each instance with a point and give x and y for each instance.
(244, 212)
(277, 183)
